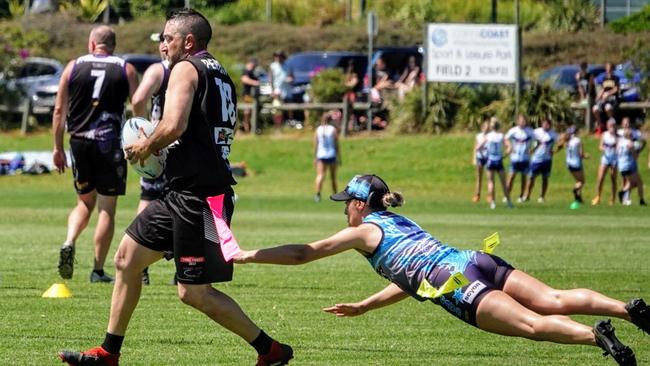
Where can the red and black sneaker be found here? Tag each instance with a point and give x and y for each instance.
(606, 339)
(639, 313)
(93, 357)
(280, 354)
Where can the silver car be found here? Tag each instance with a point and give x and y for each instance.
(38, 79)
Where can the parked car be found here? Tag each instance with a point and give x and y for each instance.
(563, 77)
(37, 80)
(305, 65)
(397, 58)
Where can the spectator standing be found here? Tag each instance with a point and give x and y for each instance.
(518, 141)
(152, 88)
(281, 79)
(479, 158)
(351, 83)
(200, 115)
(251, 83)
(327, 154)
(541, 160)
(92, 92)
(607, 98)
(608, 161)
(585, 84)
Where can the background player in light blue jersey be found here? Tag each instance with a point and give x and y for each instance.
(479, 158)
(518, 141)
(541, 160)
(498, 299)
(493, 143)
(638, 143)
(575, 153)
(607, 161)
(626, 162)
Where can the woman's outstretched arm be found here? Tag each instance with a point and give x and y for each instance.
(349, 238)
(389, 295)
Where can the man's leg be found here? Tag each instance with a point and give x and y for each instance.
(104, 229)
(77, 222)
(130, 259)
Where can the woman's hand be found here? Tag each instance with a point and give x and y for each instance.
(346, 309)
(244, 256)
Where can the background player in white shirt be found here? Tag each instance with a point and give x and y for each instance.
(541, 160)
(494, 143)
(575, 153)
(326, 152)
(607, 161)
(518, 141)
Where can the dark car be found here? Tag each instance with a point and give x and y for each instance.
(564, 77)
(140, 61)
(397, 59)
(305, 65)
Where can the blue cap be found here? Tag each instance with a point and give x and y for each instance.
(366, 188)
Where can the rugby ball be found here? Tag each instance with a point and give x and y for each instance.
(154, 165)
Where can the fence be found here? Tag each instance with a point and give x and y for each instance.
(589, 114)
(256, 107)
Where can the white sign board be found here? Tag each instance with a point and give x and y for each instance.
(472, 53)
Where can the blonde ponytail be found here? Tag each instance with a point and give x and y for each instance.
(392, 199)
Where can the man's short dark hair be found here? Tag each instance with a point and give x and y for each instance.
(191, 21)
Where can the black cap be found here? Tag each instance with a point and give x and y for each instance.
(367, 188)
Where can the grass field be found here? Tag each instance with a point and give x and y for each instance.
(603, 248)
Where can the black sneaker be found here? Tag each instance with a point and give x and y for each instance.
(145, 277)
(621, 194)
(642, 203)
(100, 278)
(66, 261)
(606, 339)
(640, 313)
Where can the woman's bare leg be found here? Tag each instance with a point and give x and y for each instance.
(543, 299)
(501, 314)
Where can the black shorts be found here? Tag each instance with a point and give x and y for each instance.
(485, 272)
(98, 165)
(152, 189)
(184, 224)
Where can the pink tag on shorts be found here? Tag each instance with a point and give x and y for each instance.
(229, 246)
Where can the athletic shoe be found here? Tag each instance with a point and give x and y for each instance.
(606, 339)
(66, 261)
(540, 200)
(492, 205)
(93, 357)
(520, 200)
(595, 201)
(620, 196)
(640, 313)
(476, 198)
(504, 200)
(96, 278)
(317, 197)
(510, 205)
(145, 277)
(280, 354)
(642, 203)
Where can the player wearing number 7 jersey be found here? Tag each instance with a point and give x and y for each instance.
(198, 121)
(91, 97)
